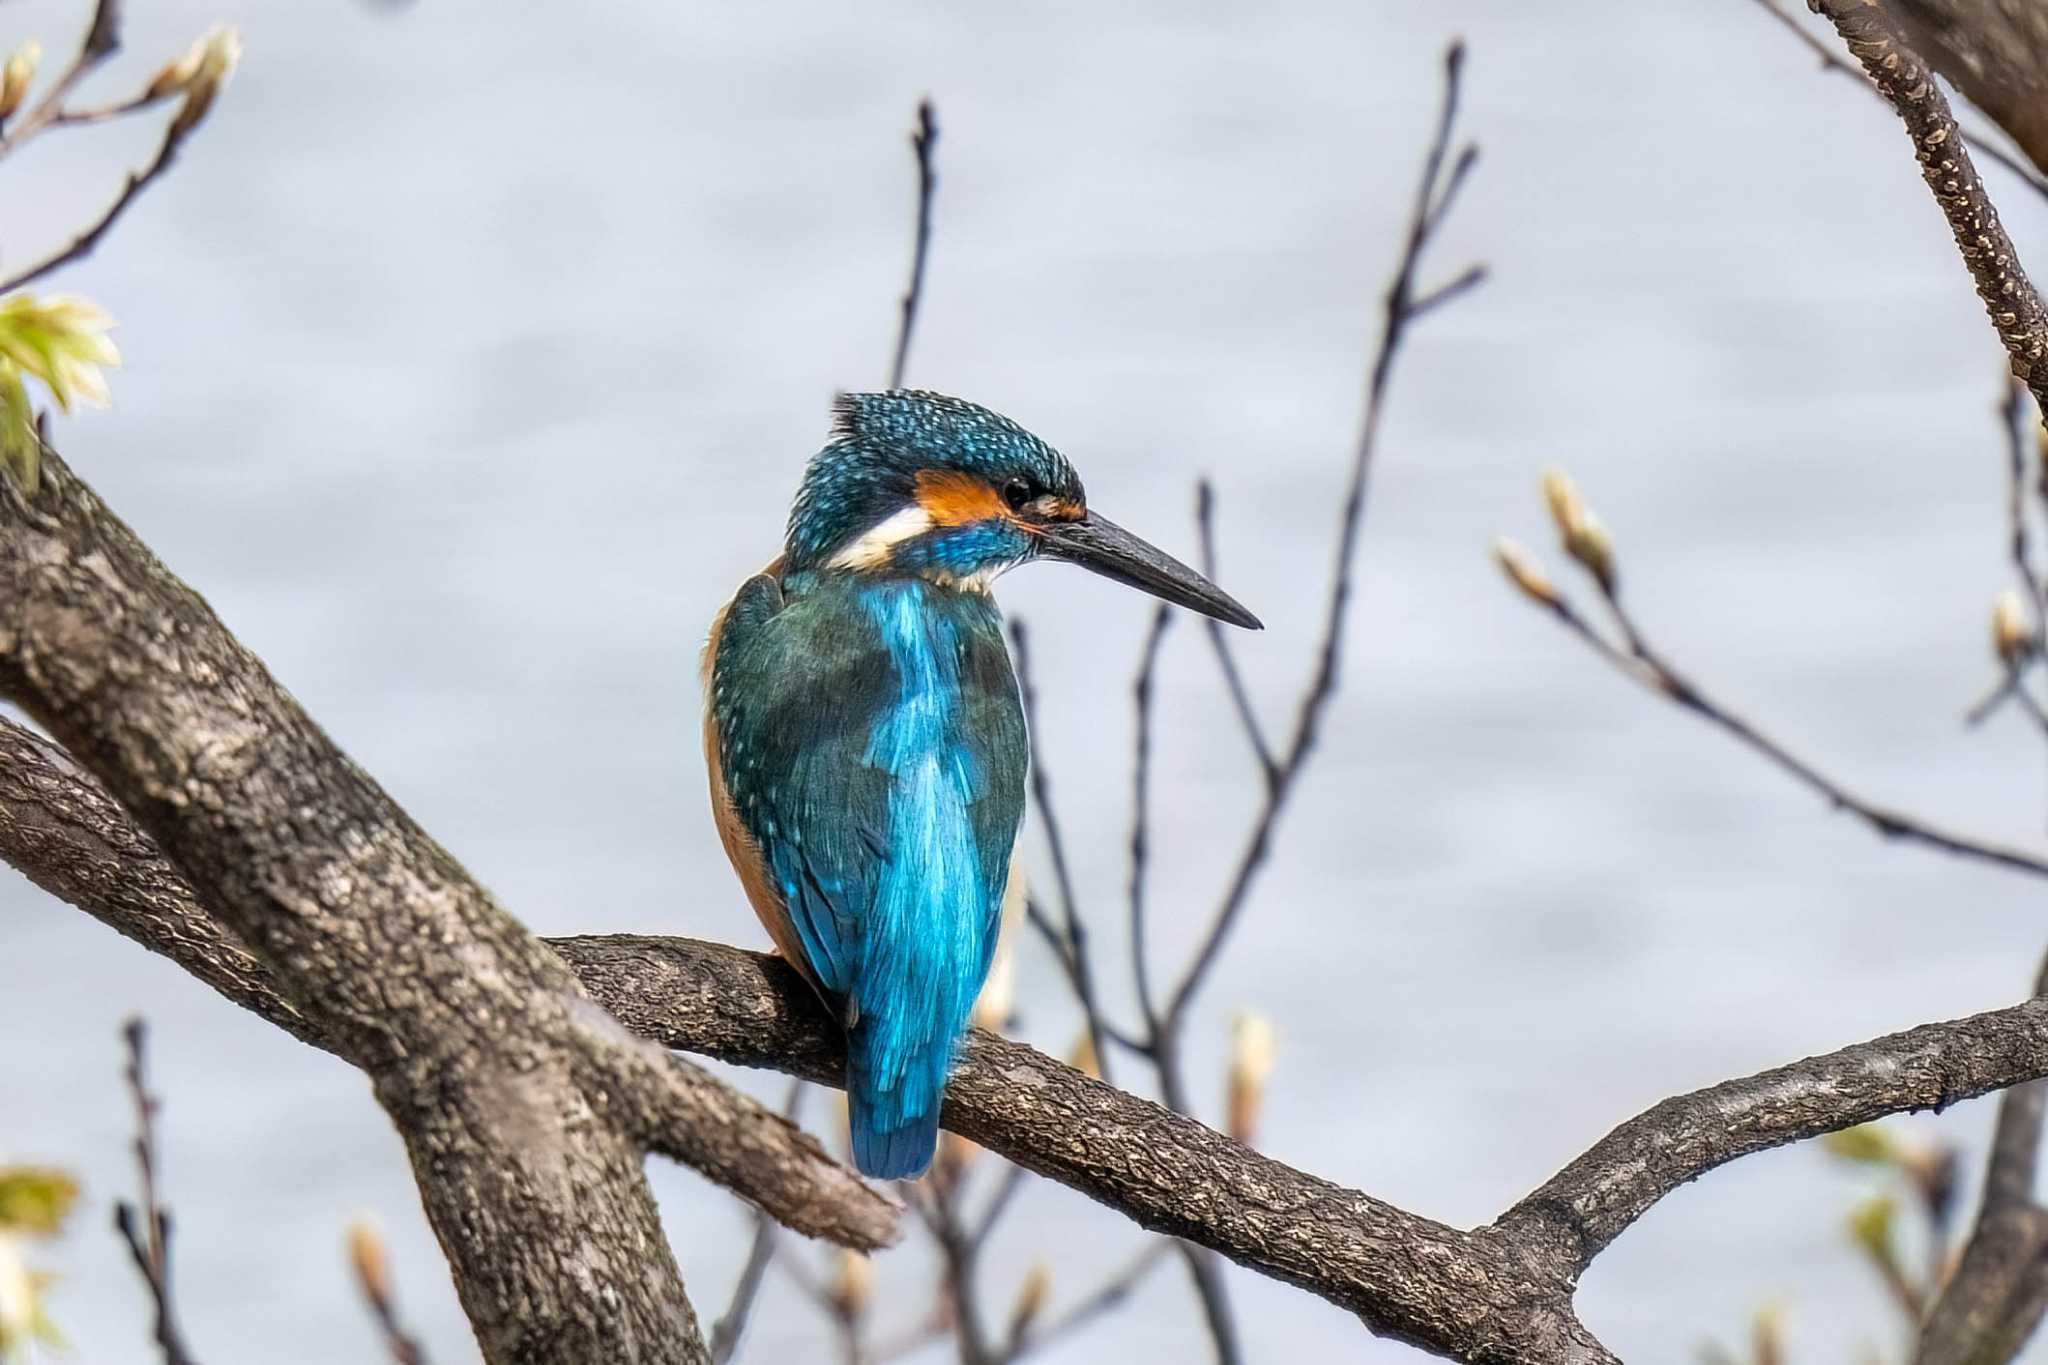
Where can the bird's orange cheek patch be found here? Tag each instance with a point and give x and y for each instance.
(951, 498)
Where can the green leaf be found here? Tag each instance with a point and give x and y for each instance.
(61, 340)
(20, 449)
(35, 1199)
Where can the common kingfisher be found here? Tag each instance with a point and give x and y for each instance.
(865, 737)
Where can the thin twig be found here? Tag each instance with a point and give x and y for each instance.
(82, 245)
(999, 1203)
(107, 113)
(1981, 709)
(1639, 661)
(149, 1246)
(924, 141)
(1830, 62)
(1902, 76)
(732, 1323)
(1402, 306)
(1071, 942)
(1141, 809)
(102, 40)
(2011, 418)
(1118, 1288)
(1219, 640)
(962, 1255)
(1436, 191)
(1162, 1044)
(373, 1277)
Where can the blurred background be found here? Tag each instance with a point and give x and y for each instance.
(471, 359)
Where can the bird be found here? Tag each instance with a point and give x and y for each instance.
(865, 737)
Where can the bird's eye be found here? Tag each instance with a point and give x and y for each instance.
(1016, 493)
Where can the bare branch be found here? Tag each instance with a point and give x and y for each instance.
(150, 1246)
(1173, 1175)
(1995, 52)
(677, 1109)
(1402, 1274)
(481, 1046)
(962, 1255)
(1141, 810)
(924, 142)
(732, 1323)
(1119, 1287)
(1433, 195)
(102, 40)
(198, 92)
(2012, 411)
(1830, 62)
(1638, 661)
(1219, 641)
(1903, 79)
(1590, 1202)
(1996, 1298)
(1162, 1170)
(83, 244)
(1069, 941)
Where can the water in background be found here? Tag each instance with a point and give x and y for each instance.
(471, 360)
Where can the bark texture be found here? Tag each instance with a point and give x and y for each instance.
(1902, 76)
(1996, 53)
(526, 1121)
(1500, 1293)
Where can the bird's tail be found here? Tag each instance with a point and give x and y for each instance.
(899, 1153)
(892, 1101)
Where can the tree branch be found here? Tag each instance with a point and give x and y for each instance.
(526, 1113)
(1590, 1202)
(1498, 1293)
(1637, 660)
(1068, 939)
(1830, 62)
(1996, 53)
(1902, 77)
(731, 1326)
(102, 40)
(924, 143)
(149, 1246)
(1999, 1291)
(1435, 192)
(138, 181)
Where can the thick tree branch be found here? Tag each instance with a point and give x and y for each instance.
(1999, 1291)
(1588, 1204)
(1830, 62)
(526, 1120)
(1875, 40)
(1493, 1294)
(1996, 53)
(1403, 1275)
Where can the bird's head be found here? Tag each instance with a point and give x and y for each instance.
(919, 484)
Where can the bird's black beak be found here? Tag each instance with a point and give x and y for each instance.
(1097, 543)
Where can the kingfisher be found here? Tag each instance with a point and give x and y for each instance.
(865, 736)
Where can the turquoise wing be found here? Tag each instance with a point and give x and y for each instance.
(872, 742)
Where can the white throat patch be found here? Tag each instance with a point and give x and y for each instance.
(873, 548)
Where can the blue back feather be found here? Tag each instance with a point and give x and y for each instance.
(873, 744)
